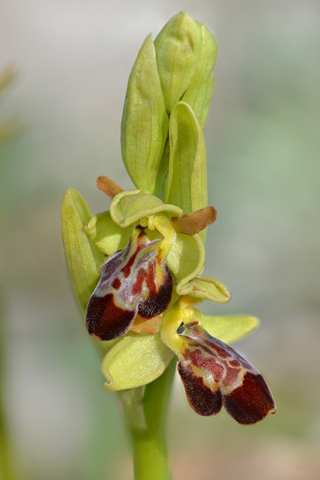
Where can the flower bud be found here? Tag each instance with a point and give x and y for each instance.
(178, 48)
(178, 66)
(186, 55)
(200, 89)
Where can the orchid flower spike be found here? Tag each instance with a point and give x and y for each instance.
(136, 269)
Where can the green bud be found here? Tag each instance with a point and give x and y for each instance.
(144, 126)
(187, 181)
(83, 258)
(178, 48)
(200, 89)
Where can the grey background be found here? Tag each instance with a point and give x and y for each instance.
(74, 59)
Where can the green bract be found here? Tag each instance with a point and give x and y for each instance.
(187, 182)
(83, 258)
(144, 126)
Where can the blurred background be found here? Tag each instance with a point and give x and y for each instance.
(263, 141)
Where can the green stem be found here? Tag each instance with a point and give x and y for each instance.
(6, 457)
(6, 469)
(145, 411)
(145, 414)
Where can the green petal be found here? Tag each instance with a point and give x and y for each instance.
(187, 181)
(178, 47)
(144, 127)
(82, 256)
(229, 328)
(130, 206)
(205, 288)
(186, 258)
(194, 222)
(134, 361)
(106, 234)
(199, 92)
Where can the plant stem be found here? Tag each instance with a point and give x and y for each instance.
(145, 414)
(6, 457)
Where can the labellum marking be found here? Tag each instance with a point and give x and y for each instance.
(134, 281)
(214, 374)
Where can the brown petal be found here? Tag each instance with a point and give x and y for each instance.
(193, 222)
(108, 186)
(105, 320)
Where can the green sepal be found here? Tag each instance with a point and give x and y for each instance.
(178, 47)
(229, 328)
(130, 206)
(106, 234)
(205, 288)
(186, 258)
(135, 361)
(144, 126)
(187, 181)
(199, 92)
(83, 258)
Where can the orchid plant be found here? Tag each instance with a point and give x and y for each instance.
(136, 269)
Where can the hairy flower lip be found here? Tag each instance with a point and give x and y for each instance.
(134, 280)
(213, 373)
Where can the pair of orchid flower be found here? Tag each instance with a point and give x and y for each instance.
(142, 305)
(136, 301)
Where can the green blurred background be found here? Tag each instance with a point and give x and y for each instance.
(74, 59)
